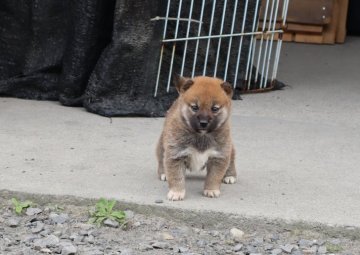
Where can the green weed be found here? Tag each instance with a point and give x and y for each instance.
(20, 206)
(104, 210)
(333, 248)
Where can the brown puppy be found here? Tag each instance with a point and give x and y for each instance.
(196, 136)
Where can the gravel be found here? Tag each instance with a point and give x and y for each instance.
(66, 231)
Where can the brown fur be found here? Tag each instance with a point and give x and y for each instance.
(196, 132)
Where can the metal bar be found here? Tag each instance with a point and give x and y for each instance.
(210, 33)
(174, 46)
(251, 64)
(271, 42)
(219, 43)
(156, 18)
(187, 35)
(261, 41)
(276, 60)
(277, 55)
(251, 49)
(286, 3)
(230, 40)
(162, 49)
(197, 41)
(167, 18)
(240, 45)
(159, 68)
(266, 47)
(222, 36)
(263, 62)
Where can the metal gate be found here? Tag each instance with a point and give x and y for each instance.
(222, 38)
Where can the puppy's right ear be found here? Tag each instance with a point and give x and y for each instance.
(182, 83)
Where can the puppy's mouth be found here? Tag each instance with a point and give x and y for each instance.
(202, 131)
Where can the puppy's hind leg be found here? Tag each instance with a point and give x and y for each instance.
(230, 175)
(160, 158)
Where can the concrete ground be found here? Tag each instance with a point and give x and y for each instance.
(298, 150)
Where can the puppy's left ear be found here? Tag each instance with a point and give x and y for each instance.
(227, 88)
(182, 83)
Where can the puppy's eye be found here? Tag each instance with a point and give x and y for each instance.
(194, 107)
(215, 109)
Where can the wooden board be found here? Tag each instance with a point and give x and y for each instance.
(312, 12)
(330, 29)
(294, 27)
(288, 37)
(341, 25)
(312, 21)
(308, 38)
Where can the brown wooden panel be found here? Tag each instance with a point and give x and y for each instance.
(288, 37)
(263, 7)
(341, 26)
(330, 29)
(294, 27)
(315, 12)
(277, 26)
(308, 38)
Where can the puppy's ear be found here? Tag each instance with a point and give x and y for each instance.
(227, 88)
(182, 83)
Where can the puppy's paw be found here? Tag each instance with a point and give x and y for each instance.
(163, 177)
(229, 179)
(211, 193)
(176, 195)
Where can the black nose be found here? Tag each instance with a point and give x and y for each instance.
(203, 123)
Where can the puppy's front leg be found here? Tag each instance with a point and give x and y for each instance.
(216, 169)
(175, 174)
(230, 175)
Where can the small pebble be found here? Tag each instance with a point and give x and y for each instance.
(276, 251)
(111, 223)
(68, 249)
(288, 248)
(167, 236)
(236, 234)
(129, 214)
(59, 218)
(38, 228)
(45, 250)
(160, 245)
(13, 222)
(238, 247)
(32, 211)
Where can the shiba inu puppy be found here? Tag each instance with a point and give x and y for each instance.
(196, 136)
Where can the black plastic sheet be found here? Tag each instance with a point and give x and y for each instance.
(102, 55)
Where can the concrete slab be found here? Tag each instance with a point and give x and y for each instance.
(298, 149)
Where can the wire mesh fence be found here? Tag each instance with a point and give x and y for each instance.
(222, 38)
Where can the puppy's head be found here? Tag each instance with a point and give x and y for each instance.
(205, 102)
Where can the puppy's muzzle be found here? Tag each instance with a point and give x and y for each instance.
(203, 121)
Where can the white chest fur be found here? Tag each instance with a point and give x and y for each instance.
(198, 160)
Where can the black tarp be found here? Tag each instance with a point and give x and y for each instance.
(353, 18)
(100, 54)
